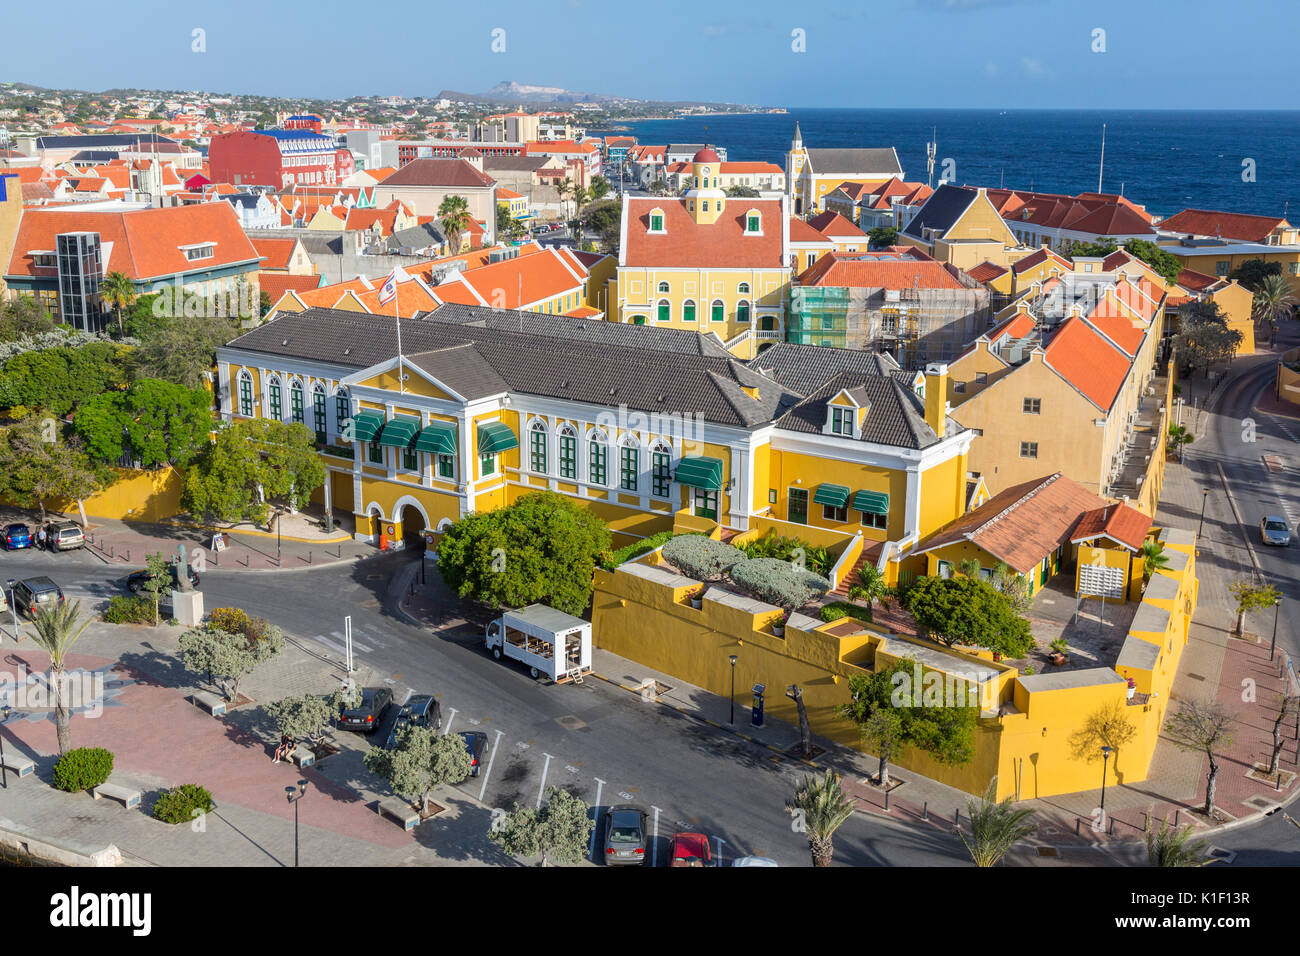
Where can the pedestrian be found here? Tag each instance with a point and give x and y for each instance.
(286, 746)
(40, 537)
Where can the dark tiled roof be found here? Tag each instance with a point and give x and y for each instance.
(439, 172)
(877, 160)
(941, 210)
(805, 368)
(102, 139)
(515, 163)
(894, 417)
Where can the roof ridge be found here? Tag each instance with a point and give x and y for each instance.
(1015, 504)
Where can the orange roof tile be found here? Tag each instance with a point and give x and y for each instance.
(1079, 354)
(276, 284)
(684, 243)
(986, 271)
(276, 251)
(831, 224)
(800, 231)
(1225, 225)
(877, 271)
(1121, 523)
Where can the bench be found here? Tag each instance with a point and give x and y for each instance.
(17, 764)
(400, 812)
(213, 704)
(129, 798)
(303, 756)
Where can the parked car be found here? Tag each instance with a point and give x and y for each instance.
(64, 536)
(136, 580)
(421, 710)
(625, 836)
(31, 593)
(1275, 531)
(366, 717)
(755, 861)
(16, 536)
(476, 744)
(691, 849)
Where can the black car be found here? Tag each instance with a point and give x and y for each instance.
(476, 744)
(31, 593)
(135, 582)
(422, 710)
(366, 717)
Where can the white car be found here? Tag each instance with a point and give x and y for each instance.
(755, 861)
(1275, 531)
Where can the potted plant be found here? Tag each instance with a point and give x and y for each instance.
(1132, 689)
(1057, 656)
(696, 596)
(778, 625)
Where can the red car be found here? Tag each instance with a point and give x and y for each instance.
(691, 849)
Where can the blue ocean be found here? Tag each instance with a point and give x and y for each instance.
(1166, 160)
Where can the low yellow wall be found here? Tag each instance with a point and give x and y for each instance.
(135, 496)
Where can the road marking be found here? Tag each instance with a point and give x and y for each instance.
(654, 851)
(488, 772)
(447, 727)
(546, 768)
(625, 795)
(571, 768)
(341, 645)
(521, 745)
(474, 720)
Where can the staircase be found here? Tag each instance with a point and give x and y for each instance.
(870, 554)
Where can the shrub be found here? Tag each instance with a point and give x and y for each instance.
(838, 609)
(129, 610)
(233, 620)
(779, 583)
(701, 558)
(612, 559)
(82, 769)
(178, 804)
(772, 545)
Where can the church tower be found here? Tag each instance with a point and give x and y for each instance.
(795, 160)
(705, 199)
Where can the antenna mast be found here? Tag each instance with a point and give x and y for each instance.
(1102, 165)
(930, 149)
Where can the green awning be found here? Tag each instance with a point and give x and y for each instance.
(837, 496)
(366, 424)
(700, 472)
(399, 432)
(438, 438)
(495, 437)
(871, 502)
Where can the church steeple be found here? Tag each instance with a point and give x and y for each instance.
(797, 142)
(705, 198)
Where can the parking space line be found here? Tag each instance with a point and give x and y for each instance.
(491, 759)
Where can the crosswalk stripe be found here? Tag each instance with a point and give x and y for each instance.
(356, 644)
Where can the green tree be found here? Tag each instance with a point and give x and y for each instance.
(1204, 342)
(59, 379)
(542, 549)
(157, 422)
(1251, 273)
(227, 658)
(1153, 558)
(421, 761)
(1251, 597)
(1097, 249)
(1179, 437)
(598, 189)
(181, 352)
(965, 610)
(742, 192)
(37, 466)
(871, 587)
(251, 464)
(1108, 726)
(306, 715)
(658, 187)
(453, 212)
(1287, 704)
(1273, 300)
(821, 808)
(1202, 727)
(1158, 258)
(118, 290)
(995, 827)
(1169, 846)
(892, 714)
(158, 578)
(561, 830)
(882, 236)
(24, 315)
(57, 627)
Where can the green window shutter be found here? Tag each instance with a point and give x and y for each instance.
(719, 312)
(742, 312)
(437, 438)
(664, 312)
(494, 437)
(568, 456)
(245, 398)
(688, 312)
(276, 407)
(699, 471)
(295, 397)
(446, 466)
(630, 467)
(537, 450)
(837, 496)
(596, 457)
(871, 502)
(661, 475)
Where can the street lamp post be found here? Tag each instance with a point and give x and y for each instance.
(1105, 758)
(13, 607)
(1205, 496)
(733, 690)
(4, 771)
(1272, 647)
(293, 795)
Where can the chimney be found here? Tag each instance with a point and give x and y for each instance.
(936, 396)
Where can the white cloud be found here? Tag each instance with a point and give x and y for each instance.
(1031, 66)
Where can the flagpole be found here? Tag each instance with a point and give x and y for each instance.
(397, 307)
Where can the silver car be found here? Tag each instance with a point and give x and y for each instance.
(625, 836)
(1275, 531)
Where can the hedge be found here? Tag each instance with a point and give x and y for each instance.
(178, 804)
(701, 558)
(129, 610)
(779, 583)
(613, 559)
(838, 609)
(83, 769)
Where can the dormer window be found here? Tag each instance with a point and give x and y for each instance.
(657, 220)
(753, 223)
(44, 260)
(199, 251)
(843, 420)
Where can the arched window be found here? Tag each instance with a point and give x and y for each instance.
(742, 311)
(245, 393)
(597, 458)
(688, 310)
(319, 415)
(275, 399)
(537, 447)
(663, 288)
(664, 311)
(295, 402)
(342, 409)
(661, 469)
(629, 465)
(718, 311)
(568, 442)
(743, 288)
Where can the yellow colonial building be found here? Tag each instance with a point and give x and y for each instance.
(813, 174)
(705, 262)
(648, 427)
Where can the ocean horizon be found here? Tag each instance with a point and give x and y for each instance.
(1165, 160)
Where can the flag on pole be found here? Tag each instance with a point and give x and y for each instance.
(388, 291)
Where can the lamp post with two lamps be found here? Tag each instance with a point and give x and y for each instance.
(293, 795)
(733, 689)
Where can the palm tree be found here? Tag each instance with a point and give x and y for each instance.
(870, 587)
(454, 212)
(1172, 847)
(1273, 298)
(824, 808)
(1178, 437)
(994, 827)
(118, 291)
(1153, 558)
(56, 631)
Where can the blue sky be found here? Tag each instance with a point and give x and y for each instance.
(1159, 54)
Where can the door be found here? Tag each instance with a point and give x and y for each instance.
(706, 504)
(797, 505)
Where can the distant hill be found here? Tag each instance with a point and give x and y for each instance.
(508, 91)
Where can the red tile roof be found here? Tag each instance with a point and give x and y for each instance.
(276, 284)
(800, 231)
(146, 242)
(986, 271)
(1121, 523)
(684, 244)
(876, 271)
(1196, 281)
(831, 224)
(439, 172)
(1225, 225)
(1039, 257)
(277, 252)
(1023, 524)
(1087, 361)
(1105, 216)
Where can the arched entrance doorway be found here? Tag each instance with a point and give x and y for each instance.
(376, 518)
(412, 529)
